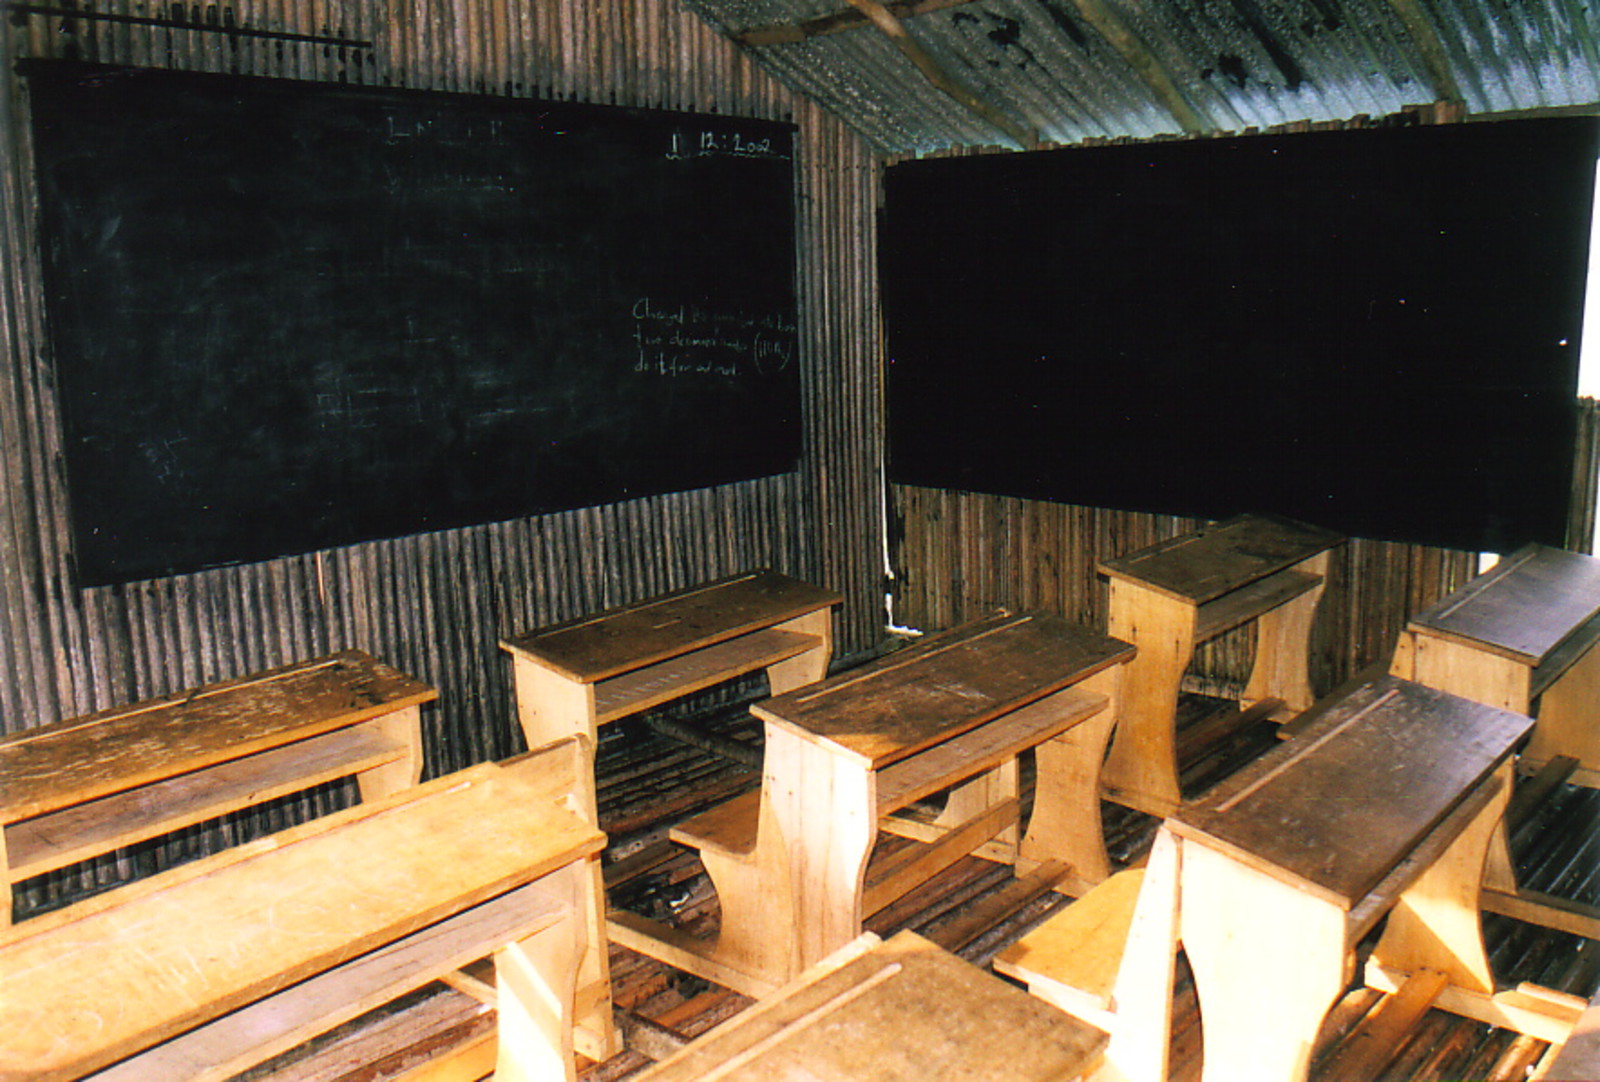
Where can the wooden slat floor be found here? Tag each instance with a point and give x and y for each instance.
(648, 781)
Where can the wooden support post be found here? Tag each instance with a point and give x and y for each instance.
(1142, 769)
(1269, 961)
(1282, 668)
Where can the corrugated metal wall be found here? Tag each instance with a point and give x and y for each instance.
(436, 605)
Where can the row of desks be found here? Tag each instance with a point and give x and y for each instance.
(955, 711)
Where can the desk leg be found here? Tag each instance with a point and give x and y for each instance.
(551, 707)
(1141, 1034)
(1142, 769)
(1569, 721)
(1268, 960)
(536, 982)
(1282, 668)
(825, 807)
(1065, 824)
(811, 666)
(403, 727)
(1436, 923)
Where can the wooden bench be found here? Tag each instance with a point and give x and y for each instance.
(205, 970)
(1384, 807)
(1169, 598)
(87, 786)
(898, 1009)
(948, 715)
(1521, 637)
(577, 676)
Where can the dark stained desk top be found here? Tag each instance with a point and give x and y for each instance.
(903, 1011)
(1521, 608)
(1202, 566)
(1342, 804)
(607, 643)
(945, 685)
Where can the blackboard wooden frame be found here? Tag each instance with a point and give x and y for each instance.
(287, 316)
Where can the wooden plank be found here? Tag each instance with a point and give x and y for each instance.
(729, 827)
(976, 750)
(277, 1023)
(678, 949)
(1375, 1041)
(1544, 910)
(1202, 566)
(652, 685)
(1567, 653)
(220, 933)
(1250, 601)
(917, 863)
(946, 684)
(1335, 810)
(604, 644)
(902, 1010)
(77, 833)
(1077, 954)
(1523, 607)
(52, 767)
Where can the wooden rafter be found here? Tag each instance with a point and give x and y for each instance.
(890, 24)
(1133, 50)
(1426, 39)
(847, 19)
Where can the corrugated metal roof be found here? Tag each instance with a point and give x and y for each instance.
(1075, 69)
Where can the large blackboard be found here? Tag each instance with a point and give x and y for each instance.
(1376, 331)
(287, 316)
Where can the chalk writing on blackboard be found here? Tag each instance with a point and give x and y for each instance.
(704, 143)
(686, 340)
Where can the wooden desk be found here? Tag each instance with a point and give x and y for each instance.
(209, 968)
(575, 677)
(895, 1011)
(952, 712)
(86, 786)
(1385, 804)
(1521, 637)
(1169, 598)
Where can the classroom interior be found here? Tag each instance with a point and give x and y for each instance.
(845, 416)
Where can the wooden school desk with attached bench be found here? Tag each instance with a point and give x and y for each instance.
(87, 786)
(1383, 806)
(952, 712)
(204, 970)
(1171, 597)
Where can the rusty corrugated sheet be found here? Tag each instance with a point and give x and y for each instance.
(1077, 69)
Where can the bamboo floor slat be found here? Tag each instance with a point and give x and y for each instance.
(648, 781)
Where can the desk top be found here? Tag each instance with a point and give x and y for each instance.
(607, 643)
(1202, 566)
(945, 685)
(1337, 808)
(902, 1011)
(85, 986)
(73, 761)
(1521, 608)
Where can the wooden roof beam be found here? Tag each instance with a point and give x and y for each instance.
(1434, 57)
(848, 19)
(886, 21)
(1133, 50)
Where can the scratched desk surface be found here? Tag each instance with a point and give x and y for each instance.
(87, 986)
(1338, 807)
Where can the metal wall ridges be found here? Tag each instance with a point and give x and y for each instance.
(436, 605)
(958, 555)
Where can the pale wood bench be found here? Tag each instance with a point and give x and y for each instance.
(207, 969)
(1170, 597)
(88, 786)
(576, 676)
(897, 1009)
(948, 715)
